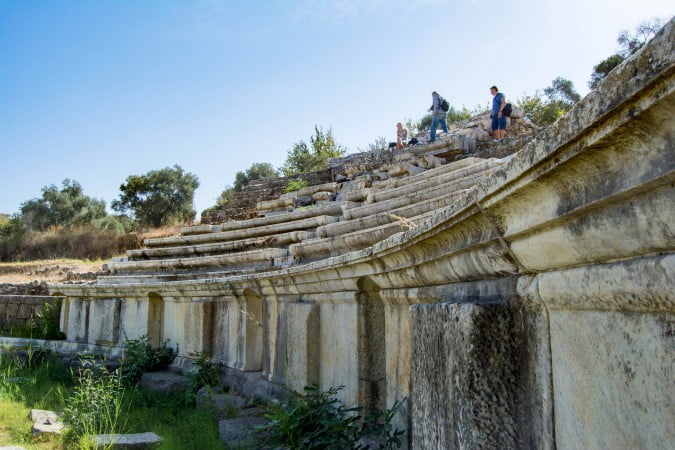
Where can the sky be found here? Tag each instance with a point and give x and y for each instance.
(96, 91)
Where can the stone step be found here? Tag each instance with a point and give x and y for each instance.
(260, 258)
(308, 223)
(383, 218)
(337, 245)
(415, 197)
(178, 276)
(432, 177)
(278, 240)
(333, 209)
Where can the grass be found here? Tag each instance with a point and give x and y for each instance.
(45, 384)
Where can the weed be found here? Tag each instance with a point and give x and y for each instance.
(96, 404)
(319, 420)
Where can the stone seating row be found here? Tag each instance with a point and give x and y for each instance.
(264, 245)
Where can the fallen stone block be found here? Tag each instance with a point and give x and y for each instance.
(126, 441)
(45, 422)
(12, 447)
(239, 431)
(165, 382)
(222, 404)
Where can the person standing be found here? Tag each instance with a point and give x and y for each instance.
(401, 136)
(498, 118)
(437, 116)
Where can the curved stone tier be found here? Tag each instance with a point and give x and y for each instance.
(529, 305)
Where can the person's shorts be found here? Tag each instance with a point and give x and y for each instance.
(498, 123)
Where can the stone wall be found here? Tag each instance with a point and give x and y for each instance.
(243, 205)
(17, 311)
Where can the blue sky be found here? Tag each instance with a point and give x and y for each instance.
(99, 90)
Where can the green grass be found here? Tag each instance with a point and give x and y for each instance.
(47, 383)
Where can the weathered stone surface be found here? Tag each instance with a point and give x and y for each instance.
(222, 403)
(239, 431)
(167, 382)
(45, 422)
(126, 441)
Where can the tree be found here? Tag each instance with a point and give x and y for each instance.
(629, 43)
(257, 171)
(65, 207)
(602, 69)
(160, 197)
(556, 100)
(301, 159)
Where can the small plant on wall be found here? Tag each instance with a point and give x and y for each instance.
(296, 185)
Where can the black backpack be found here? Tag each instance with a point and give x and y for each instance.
(508, 109)
(445, 106)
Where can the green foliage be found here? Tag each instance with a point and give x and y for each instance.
(319, 420)
(556, 100)
(257, 171)
(141, 357)
(12, 237)
(96, 404)
(302, 159)
(118, 224)
(208, 372)
(602, 69)
(296, 185)
(46, 384)
(65, 207)
(160, 197)
(629, 43)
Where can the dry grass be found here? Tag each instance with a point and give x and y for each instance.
(161, 232)
(50, 255)
(52, 270)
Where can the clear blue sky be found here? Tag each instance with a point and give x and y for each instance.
(99, 90)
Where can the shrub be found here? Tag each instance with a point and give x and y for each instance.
(95, 406)
(141, 357)
(319, 420)
(296, 185)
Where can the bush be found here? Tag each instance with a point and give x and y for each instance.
(319, 420)
(296, 185)
(141, 357)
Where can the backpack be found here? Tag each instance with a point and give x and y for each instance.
(445, 106)
(508, 109)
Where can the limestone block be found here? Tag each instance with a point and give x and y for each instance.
(467, 394)
(78, 314)
(126, 441)
(302, 325)
(165, 382)
(274, 204)
(323, 196)
(612, 378)
(221, 403)
(104, 321)
(45, 422)
(239, 432)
